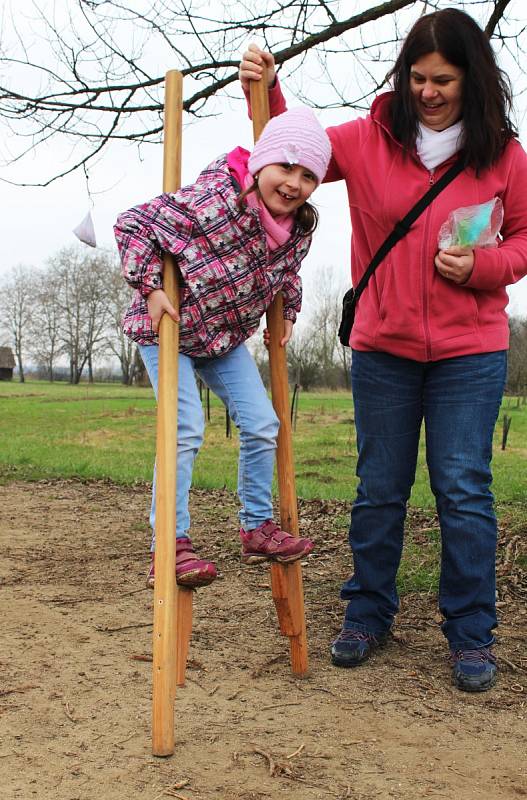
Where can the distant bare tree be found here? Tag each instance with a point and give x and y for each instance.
(97, 78)
(45, 325)
(517, 361)
(16, 309)
(302, 360)
(80, 279)
(100, 268)
(119, 295)
(315, 354)
(261, 356)
(325, 309)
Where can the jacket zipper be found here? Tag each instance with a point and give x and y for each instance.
(424, 272)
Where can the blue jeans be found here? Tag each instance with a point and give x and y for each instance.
(459, 400)
(235, 379)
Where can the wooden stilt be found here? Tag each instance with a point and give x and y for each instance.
(286, 580)
(170, 639)
(183, 631)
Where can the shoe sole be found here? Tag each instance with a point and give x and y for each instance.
(187, 582)
(473, 687)
(348, 664)
(344, 662)
(258, 558)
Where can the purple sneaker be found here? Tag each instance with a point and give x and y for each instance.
(353, 647)
(474, 670)
(268, 542)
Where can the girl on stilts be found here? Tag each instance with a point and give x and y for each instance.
(239, 235)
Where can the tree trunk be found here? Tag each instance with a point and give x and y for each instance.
(21, 375)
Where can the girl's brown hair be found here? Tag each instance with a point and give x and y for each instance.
(306, 217)
(486, 99)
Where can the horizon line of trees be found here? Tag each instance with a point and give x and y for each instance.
(70, 313)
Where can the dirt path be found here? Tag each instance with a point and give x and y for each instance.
(75, 694)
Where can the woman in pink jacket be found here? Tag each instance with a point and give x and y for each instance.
(431, 333)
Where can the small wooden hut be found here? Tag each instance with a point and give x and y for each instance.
(7, 364)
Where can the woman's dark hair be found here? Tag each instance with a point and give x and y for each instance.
(306, 217)
(486, 97)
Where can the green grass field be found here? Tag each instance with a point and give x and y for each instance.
(108, 431)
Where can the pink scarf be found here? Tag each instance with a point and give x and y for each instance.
(277, 229)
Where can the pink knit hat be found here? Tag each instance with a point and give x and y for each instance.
(294, 137)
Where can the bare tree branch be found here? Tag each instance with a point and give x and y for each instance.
(496, 16)
(97, 79)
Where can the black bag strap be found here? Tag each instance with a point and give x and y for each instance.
(403, 226)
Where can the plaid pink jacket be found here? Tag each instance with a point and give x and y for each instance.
(229, 277)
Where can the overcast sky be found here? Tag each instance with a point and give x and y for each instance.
(36, 222)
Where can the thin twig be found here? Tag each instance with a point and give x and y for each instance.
(169, 791)
(92, 599)
(123, 741)
(279, 705)
(194, 681)
(511, 664)
(20, 690)
(134, 591)
(69, 712)
(297, 751)
(268, 757)
(70, 601)
(124, 627)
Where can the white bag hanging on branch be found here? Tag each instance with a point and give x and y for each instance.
(85, 231)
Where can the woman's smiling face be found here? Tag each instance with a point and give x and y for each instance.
(437, 90)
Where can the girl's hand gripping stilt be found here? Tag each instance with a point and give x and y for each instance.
(251, 66)
(288, 332)
(159, 304)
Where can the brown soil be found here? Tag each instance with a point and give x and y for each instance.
(75, 690)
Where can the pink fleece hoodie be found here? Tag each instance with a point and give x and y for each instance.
(408, 309)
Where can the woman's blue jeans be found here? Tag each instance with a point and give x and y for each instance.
(459, 400)
(235, 379)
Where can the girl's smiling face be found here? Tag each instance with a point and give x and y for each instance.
(437, 90)
(285, 187)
